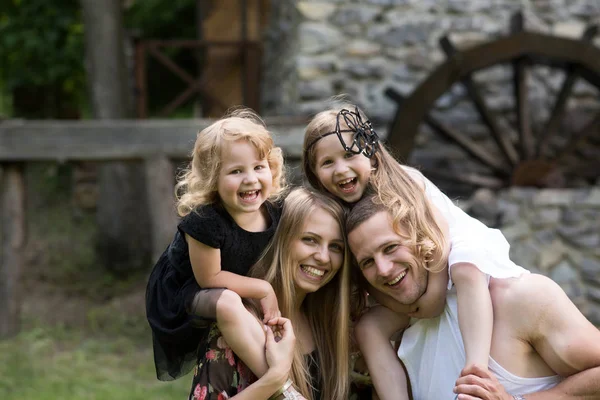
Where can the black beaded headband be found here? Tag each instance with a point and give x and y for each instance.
(364, 138)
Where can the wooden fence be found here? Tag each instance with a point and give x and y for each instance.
(156, 142)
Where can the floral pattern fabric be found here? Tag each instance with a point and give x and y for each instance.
(219, 374)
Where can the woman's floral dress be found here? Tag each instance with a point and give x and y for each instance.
(219, 373)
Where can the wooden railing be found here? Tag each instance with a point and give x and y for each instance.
(156, 142)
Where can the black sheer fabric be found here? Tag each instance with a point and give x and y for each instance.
(178, 317)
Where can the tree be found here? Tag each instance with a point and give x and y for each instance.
(123, 222)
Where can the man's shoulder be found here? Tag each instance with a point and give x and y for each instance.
(525, 300)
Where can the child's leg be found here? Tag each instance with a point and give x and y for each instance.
(241, 330)
(373, 332)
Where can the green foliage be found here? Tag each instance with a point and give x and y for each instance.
(41, 42)
(162, 19)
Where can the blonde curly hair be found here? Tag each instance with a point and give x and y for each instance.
(197, 184)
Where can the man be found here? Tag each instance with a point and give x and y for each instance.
(542, 346)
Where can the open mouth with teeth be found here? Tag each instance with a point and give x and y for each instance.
(249, 196)
(312, 272)
(347, 185)
(396, 281)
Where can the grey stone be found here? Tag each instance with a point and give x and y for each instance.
(524, 254)
(594, 294)
(355, 14)
(564, 273)
(367, 68)
(590, 270)
(550, 256)
(546, 236)
(521, 194)
(315, 67)
(545, 216)
(316, 11)
(317, 38)
(408, 34)
(592, 199)
(593, 315)
(362, 48)
(315, 89)
(573, 216)
(389, 2)
(553, 197)
(509, 211)
(484, 206)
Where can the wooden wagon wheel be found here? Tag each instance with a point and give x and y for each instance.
(526, 160)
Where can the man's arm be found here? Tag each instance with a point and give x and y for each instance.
(567, 342)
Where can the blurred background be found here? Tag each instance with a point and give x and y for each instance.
(496, 101)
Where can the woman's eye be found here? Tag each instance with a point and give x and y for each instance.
(366, 264)
(308, 240)
(337, 248)
(391, 248)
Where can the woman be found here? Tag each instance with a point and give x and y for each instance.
(307, 265)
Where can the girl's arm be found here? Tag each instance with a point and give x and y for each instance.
(373, 332)
(206, 264)
(475, 314)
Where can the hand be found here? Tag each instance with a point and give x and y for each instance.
(270, 306)
(476, 382)
(280, 351)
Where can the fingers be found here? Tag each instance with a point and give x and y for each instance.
(477, 370)
(270, 336)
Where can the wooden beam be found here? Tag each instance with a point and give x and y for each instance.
(12, 244)
(160, 181)
(96, 140)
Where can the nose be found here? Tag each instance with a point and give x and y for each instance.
(385, 267)
(341, 167)
(250, 177)
(322, 255)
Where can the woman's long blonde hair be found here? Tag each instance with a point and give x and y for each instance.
(197, 184)
(327, 310)
(391, 186)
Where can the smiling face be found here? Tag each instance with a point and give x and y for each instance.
(318, 252)
(385, 262)
(245, 180)
(343, 174)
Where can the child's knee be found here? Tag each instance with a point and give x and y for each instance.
(229, 307)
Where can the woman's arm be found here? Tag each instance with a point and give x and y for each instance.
(280, 355)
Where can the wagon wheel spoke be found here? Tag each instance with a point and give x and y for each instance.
(503, 142)
(520, 78)
(464, 143)
(469, 178)
(560, 104)
(589, 129)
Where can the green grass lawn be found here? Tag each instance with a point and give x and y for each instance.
(60, 363)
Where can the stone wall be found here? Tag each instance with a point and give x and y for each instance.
(552, 232)
(360, 47)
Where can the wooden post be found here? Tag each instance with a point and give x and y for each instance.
(160, 179)
(12, 244)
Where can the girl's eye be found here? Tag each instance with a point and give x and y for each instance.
(349, 155)
(236, 171)
(259, 167)
(326, 162)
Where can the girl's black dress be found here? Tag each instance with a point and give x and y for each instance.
(172, 286)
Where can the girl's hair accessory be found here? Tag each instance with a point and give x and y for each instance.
(364, 139)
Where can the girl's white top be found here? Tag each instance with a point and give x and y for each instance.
(471, 240)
